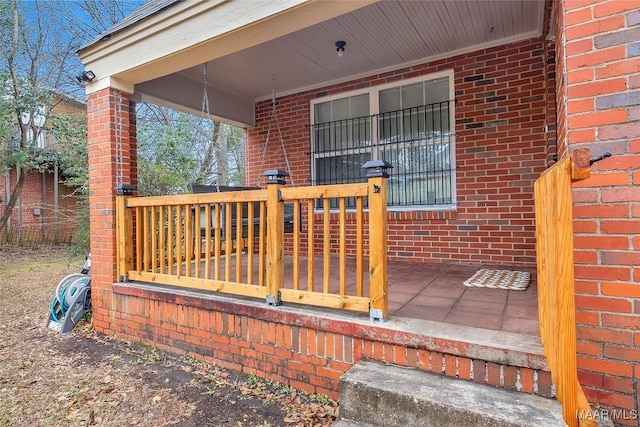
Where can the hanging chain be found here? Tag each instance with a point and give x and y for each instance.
(206, 108)
(284, 150)
(119, 150)
(205, 94)
(266, 141)
(274, 117)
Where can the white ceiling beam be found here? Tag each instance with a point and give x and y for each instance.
(177, 92)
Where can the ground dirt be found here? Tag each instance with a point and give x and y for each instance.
(85, 378)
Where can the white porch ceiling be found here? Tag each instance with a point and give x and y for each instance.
(384, 35)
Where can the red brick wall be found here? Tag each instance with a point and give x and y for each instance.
(299, 349)
(31, 196)
(109, 126)
(51, 224)
(602, 91)
(502, 94)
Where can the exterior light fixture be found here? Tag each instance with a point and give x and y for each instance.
(340, 44)
(86, 77)
(377, 168)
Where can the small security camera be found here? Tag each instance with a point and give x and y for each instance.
(86, 77)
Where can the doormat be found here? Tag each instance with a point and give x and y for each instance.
(499, 279)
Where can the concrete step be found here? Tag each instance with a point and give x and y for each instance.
(374, 394)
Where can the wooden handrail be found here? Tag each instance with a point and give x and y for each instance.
(332, 239)
(204, 241)
(556, 290)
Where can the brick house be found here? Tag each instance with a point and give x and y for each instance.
(46, 209)
(486, 105)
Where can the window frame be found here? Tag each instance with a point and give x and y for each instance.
(374, 107)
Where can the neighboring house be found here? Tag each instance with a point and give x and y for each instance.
(470, 102)
(46, 210)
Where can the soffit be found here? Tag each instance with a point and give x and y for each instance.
(381, 36)
(253, 47)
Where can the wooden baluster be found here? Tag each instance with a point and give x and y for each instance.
(216, 242)
(171, 239)
(250, 234)
(188, 240)
(296, 244)
(207, 241)
(310, 245)
(326, 232)
(239, 245)
(343, 245)
(261, 245)
(359, 246)
(162, 248)
(228, 242)
(179, 224)
(197, 240)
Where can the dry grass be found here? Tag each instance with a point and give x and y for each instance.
(86, 378)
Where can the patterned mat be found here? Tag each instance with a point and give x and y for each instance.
(499, 279)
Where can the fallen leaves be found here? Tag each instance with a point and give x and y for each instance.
(88, 379)
(43, 382)
(303, 409)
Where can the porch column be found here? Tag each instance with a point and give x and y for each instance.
(275, 235)
(111, 162)
(378, 280)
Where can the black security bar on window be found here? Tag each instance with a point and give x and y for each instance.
(417, 141)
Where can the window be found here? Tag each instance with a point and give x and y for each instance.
(36, 141)
(342, 139)
(35, 131)
(409, 125)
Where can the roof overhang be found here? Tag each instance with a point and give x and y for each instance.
(254, 47)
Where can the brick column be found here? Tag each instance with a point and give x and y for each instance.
(110, 162)
(598, 86)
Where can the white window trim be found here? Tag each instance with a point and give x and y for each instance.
(374, 108)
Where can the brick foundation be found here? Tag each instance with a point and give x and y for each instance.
(302, 349)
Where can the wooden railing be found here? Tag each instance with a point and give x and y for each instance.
(234, 242)
(556, 293)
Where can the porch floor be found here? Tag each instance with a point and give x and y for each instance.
(436, 292)
(433, 292)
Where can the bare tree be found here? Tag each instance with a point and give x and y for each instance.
(100, 15)
(38, 44)
(210, 164)
(25, 97)
(191, 148)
